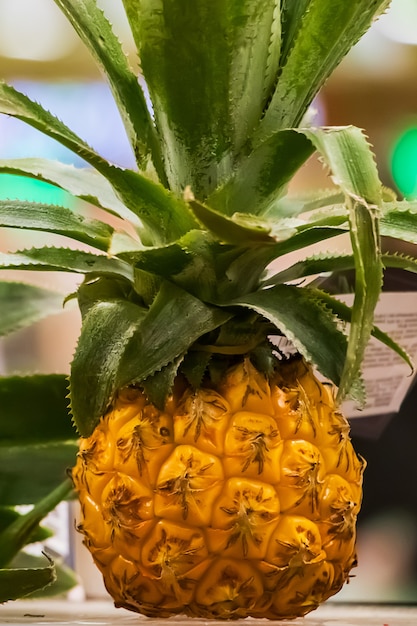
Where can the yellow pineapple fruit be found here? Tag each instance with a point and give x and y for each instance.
(215, 472)
(210, 508)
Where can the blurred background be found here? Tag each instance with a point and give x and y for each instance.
(375, 88)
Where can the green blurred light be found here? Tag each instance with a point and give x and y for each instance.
(404, 163)
(22, 188)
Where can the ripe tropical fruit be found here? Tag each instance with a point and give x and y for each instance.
(215, 473)
(239, 498)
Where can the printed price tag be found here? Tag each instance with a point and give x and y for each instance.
(387, 376)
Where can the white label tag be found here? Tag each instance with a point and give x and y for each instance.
(387, 376)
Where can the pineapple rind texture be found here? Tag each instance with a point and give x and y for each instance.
(239, 499)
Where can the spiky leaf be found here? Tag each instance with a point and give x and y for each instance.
(317, 264)
(95, 30)
(197, 262)
(175, 320)
(330, 262)
(54, 219)
(262, 175)
(240, 229)
(17, 104)
(16, 535)
(84, 183)
(22, 305)
(190, 110)
(306, 322)
(156, 386)
(121, 344)
(34, 453)
(8, 515)
(65, 578)
(165, 216)
(206, 109)
(398, 220)
(353, 168)
(400, 261)
(66, 260)
(246, 271)
(18, 583)
(319, 35)
(107, 328)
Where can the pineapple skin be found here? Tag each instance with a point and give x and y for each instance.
(239, 499)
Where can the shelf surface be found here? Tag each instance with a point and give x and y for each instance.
(102, 613)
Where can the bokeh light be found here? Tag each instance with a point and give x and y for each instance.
(35, 31)
(404, 162)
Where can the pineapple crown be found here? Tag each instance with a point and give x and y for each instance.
(187, 281)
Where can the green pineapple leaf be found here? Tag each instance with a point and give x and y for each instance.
(16, 535)
(346, 151)
(304, 319)
(94, 29)
(330, 263)
(156, 385)
(66, 260)
(255, 187)
(348, 154)
(65, 577)
(291, 17)
(314, 200)
(55, 219)
(18, 583)
(163, 261)
(194, 366)
(107, 329)
(106, 289)
(122, 344)
(206, 108)
(240, 229)
(22, 305)
(84, 183)
(398, 220)
(316, 36)
(175, 320)
(246, 272)
(164, 216)
(197, 263)
(255, 53)
(216, 271)
(8, 515)
(34, 453)
(400, 261)
(316, 264)
(17, 104)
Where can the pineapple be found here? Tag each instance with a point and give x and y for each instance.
(237, 498)
(215, 471)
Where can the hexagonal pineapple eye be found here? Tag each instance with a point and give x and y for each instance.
(295, 542)
(201, 419)
(302, 475)
(245, 388)
(173, 546)
(230, 588)
(253, 447)
(187, 484)
(244, 517)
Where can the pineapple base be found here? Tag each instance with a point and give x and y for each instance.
(237, 500)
